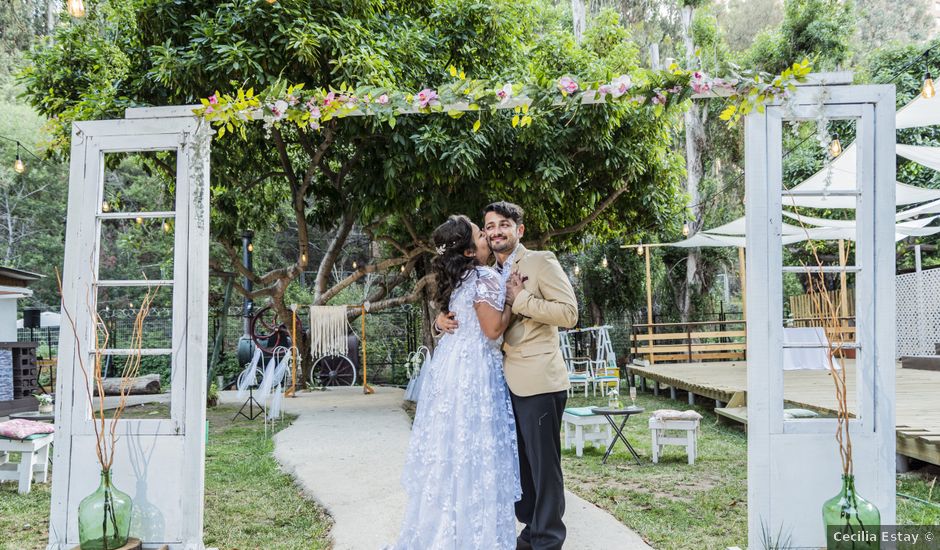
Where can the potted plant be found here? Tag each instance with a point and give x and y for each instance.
(45, 403)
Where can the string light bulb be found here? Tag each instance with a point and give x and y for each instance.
(355, 265)
(402, 269)
(76, 8)
(303, 258)
(166, 227)
(835, 147)
(139, 220)
(685, 229)
(105, 207)
(639, 250)
(927, 91)
(18, 165)
(604, 262)
(251, 247)
(577, 270)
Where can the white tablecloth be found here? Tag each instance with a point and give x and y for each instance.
(806, 358)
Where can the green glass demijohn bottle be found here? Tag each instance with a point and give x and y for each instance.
(852, 523)
(104, 517)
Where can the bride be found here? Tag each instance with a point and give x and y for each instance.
(462, 471)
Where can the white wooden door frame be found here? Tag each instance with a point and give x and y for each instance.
(793, 465)
(161, 463)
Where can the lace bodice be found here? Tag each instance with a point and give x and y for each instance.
(483, 284)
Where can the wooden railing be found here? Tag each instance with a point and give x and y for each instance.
(702, 341)
(690, 342)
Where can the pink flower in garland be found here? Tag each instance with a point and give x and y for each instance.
(567, 85)
(209, 109)
(427, 97)
(328, 100)
(279, 109)
(620, 85)
(382, 99)
(314, 110)
(504, 94)
(699, 83)
(604, 89)
(213, 100)
(659, 99)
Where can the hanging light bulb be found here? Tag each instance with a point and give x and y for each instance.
(685, 229)
(835, 147)
(355, 265)
(927, 91)
(105, 207)
(577, 270)
(604, 262)
(76, 8)
(251, 247)
(303, 258)
(166, 227)
(18, 165)
(402, 269)
(139, 220)
(639, 250)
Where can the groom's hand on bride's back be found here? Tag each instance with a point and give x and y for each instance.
(446, 322)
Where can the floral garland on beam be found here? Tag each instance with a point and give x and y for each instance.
(658, 90)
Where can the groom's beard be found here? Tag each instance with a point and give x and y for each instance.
(506, 244)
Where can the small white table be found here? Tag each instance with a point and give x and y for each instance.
(34, 458)
(587, 427)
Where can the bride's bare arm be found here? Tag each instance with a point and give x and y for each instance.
(493, 321)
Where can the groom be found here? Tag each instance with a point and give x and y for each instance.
(542, 300)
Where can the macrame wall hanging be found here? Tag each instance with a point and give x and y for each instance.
(328, 331)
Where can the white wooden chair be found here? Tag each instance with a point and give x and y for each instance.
(34, 459)
(663, 422)
(579, 370)
(604, 365)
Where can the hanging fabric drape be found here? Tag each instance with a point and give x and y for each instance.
(328, 331)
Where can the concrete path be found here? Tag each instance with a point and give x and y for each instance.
(347, 451)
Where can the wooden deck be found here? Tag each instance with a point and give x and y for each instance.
(917, 407)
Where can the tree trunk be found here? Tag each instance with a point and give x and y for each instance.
(695, 168)
(597, 315)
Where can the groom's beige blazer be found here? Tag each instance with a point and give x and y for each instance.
(533, 362)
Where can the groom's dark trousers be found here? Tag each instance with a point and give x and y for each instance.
(538, 430)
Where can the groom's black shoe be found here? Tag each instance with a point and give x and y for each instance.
(522, 544)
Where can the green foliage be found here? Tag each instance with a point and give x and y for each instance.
(817, 29)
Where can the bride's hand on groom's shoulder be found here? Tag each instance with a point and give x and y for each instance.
(446, 322)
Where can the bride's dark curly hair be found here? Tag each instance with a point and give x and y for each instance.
(452, 238)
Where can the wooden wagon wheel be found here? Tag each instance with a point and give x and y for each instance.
(268, 331)
(335, 370)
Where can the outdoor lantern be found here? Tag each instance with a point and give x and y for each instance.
(685, 229)
(835, 147)
(604, 262)
(639, 250)
(928, 91)
(76, 8)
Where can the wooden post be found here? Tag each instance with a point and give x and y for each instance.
(843, 284)
(293, 349)
(743, 272)
(366, 389)
(649, 305)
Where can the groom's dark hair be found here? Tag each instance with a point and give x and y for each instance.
(505, 209)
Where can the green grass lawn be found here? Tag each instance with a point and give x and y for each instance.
(250, 504)
(676, 506)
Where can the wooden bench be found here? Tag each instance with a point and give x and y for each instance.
(34, 459)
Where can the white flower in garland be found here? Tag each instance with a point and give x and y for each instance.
(504, 94)
(620, 85)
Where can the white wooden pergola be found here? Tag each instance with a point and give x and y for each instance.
(792, 468)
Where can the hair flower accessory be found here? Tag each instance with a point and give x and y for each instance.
(441, 249)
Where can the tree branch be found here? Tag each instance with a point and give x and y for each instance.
(584, 222)
(363, 271)
(332, 252)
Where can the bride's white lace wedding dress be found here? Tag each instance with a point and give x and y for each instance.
(462, 471)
